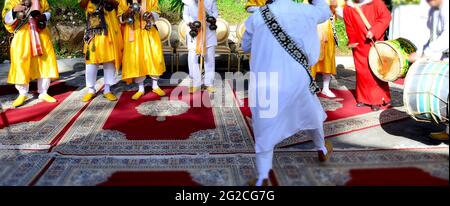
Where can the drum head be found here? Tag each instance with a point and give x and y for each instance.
(164, 29)
(240, 31)
(182, 30)
(385, 63)
(223, 31)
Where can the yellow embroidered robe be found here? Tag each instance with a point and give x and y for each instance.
(105, 48)
(25, 68)
(143, 54)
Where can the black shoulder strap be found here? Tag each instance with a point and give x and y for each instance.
(288, 44)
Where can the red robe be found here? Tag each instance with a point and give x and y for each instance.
(369, 89)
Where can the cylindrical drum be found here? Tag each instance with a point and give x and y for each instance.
(389, 60)
(426, 91)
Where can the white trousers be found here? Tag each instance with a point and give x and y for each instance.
(194, 67)
(43, 85)
(109, 71)
(264, 160)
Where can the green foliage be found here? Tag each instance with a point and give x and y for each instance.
(66, 12)
(405, 2)
(343, 39)
(232, 10)
(172, 5)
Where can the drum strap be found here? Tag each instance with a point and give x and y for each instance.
(363, 17)
(289, 45)
(368, 27)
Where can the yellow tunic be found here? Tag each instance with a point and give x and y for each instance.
(144, 55)
(255, 3)
(25, 68)
(327, 59)
(106, 48)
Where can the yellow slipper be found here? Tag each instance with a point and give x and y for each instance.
(325, 157)
(193, 89)
(159, 92)
(88, 97)
(47, 98)
(19, 101)
(137, 95)
(441, 136)
(211, 89)
(110, 96)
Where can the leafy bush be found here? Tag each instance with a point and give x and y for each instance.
(67, 12)
(405, 2)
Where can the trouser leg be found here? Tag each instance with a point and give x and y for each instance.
(318, 139)
(210, 64)
(194, 69)
(264, 162)
(140, 82)
(91, 77)
(155, 82)
(23, 89)
(43, 85)
(109, 71)
(326, 81)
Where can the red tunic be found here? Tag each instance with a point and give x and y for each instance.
(369, 89)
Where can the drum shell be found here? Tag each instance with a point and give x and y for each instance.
(426, 91)
(394, 55)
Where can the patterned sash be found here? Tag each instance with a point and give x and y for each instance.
(95, 24)
(288, 44)
(333, 26)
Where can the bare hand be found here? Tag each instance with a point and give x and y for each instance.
(353, 45)
(369, 35)
(413, 57)
(19, 8)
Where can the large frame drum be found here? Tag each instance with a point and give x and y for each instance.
(389, 60)
(426, 91)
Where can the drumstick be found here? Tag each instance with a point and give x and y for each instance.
(368, 27)
(378, 52)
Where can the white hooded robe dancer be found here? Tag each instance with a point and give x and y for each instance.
(190, 16)
(276, 73)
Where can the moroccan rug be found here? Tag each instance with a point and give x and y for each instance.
(419, 167)
(19, 168)
(343, 115)
(36, 124)
(385, 167)
(180, 170)
(155, 125)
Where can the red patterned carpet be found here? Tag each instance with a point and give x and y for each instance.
(36, 124)
(169, 142)
(34, 110)
(154, 125)
(354, 168)
(343, 116)
(132, 118)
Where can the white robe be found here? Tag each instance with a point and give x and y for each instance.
(434, 48)
(405, 25)
(190, 14)
(298, 109)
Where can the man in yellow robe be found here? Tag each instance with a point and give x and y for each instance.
(326, 66)
(143, 54)
(27, 66)
(103, 45)
(253, 5)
